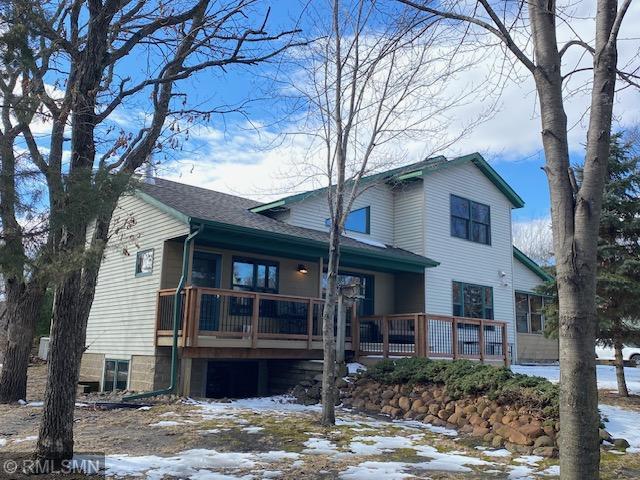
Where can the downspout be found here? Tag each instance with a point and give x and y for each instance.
(177, 301)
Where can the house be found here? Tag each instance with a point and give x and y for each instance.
(428, 244)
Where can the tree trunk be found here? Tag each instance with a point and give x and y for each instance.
(328, 337)
(55, 440)
(619, 363)
(22, 309)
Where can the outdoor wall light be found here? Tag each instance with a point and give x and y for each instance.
(302, 268)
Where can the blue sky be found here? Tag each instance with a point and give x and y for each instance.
(231, 156)
(249, 156)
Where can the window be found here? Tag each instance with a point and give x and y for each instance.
(473, 301)
(255, 275)
(529, 313)
(144, 263)
(357, 221)
(470, 220)
(365, 305)
(116, 375)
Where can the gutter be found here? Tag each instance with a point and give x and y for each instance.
(177, 301)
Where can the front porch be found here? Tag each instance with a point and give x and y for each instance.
(221, 323)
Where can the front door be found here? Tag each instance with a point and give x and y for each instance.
(205, 272)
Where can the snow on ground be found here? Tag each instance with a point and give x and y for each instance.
(606, 375)
(355, 367)
(355, 449)
(623, 424)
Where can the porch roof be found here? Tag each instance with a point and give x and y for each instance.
(229, 223)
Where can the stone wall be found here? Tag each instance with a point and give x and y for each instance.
(517, 429)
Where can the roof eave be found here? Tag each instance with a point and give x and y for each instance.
(381, 258)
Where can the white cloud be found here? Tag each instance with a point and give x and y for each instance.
(258, 164)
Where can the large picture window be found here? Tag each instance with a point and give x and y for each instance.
(116, 375)
(255, 275)
(473, 301)
(365, 305)
(357, 221)
(529, 313)
(470, 220)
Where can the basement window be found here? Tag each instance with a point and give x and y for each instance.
(116, 375)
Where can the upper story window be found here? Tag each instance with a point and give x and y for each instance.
(255, 275)
(470, 220)
(529, 313)
(357, 221)
(473, 301)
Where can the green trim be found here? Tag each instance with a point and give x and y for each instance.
(161, 206)
(290, 246)
(267, 206)
(416, 170)
(528, 292)
(531, 265)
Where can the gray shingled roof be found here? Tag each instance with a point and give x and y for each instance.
(209, 205)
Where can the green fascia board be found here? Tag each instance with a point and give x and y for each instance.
(409, 172)
(486, 169)
(259, 241)
(531, 265)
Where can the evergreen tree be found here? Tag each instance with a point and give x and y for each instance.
(618, 289)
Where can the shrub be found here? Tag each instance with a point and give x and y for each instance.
(466, 378)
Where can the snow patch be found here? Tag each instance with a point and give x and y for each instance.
(319, 446)
(165, 423)
(623, 424)
(503, 452)
(606, 375)
(31, 438)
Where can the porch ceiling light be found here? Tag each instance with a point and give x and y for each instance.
(302, 268)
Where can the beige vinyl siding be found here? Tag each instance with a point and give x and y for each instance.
(313, 211)
(532, 347)
(408, 218)
(462, 260)
(523, 278)
(122, 318)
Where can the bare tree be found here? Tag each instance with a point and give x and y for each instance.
(535, 239)
(81, 73)
(528, 34)
(24, 286)
(364, 84)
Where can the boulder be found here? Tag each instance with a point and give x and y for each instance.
(543, 441)
(513, 435)
(434, 408)
(404, 403)
(547, 452)
(387, 394)
(479, 431)
(443, 414)
(531, 430)
(416, 405)
(605, 436)
(620, 443)
(497, 441)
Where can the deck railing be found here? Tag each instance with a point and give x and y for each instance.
(426, 335)
(217, 313)
(232, 314)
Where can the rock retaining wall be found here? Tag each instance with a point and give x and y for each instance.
(517, 429)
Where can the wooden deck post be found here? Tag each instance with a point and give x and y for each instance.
(454, 337)
(255, 315)
(385, 336)
(505, 345)
(426, 336)
(310, 324)
(417, 335)
(481, 340)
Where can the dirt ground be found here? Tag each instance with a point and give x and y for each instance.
(237, 433)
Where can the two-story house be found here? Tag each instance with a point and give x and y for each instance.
(242, 282)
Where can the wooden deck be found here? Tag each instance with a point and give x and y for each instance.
(217, 323)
